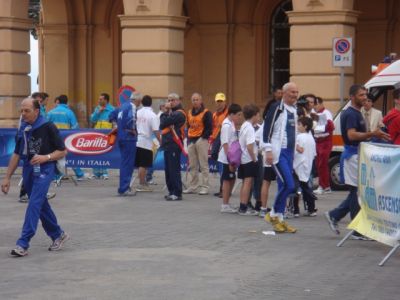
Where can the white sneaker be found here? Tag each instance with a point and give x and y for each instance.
(203, 191)
(327, 190)
(189, 191)
(226, 208)
(319, 191)
(143, 188)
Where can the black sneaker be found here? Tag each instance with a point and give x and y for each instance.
(359, 237)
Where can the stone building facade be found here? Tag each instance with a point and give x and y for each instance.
(240, 47)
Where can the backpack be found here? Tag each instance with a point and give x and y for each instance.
(235, 154)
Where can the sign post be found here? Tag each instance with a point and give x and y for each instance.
(342, 50)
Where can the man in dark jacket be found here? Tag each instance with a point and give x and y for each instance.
(172, 123)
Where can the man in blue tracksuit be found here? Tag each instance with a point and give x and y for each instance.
(172, 123)
(39, 145)
(64, 118)
(279, 141)
(125, 119)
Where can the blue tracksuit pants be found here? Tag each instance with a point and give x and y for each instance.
(38, 205)
(127, 149)
(286, 184)
(173, 179)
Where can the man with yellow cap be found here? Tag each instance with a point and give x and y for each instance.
(219, 116)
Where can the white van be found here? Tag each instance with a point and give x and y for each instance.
(379, 86)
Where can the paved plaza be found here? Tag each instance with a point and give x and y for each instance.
(144, 247)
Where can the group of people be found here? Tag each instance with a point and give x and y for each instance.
(281, 145)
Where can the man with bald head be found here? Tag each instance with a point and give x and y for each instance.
(39, 145)
(279, 141)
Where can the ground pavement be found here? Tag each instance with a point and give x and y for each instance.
(144, 247)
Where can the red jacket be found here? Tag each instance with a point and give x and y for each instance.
(392, 123)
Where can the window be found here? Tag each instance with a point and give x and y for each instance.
(280, 48)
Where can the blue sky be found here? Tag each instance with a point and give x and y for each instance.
(34, 64)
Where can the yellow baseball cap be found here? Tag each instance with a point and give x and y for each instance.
(220, 97)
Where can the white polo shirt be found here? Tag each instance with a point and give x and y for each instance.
(228, 136)
(303, 162)
(247, 136)
(146, 123)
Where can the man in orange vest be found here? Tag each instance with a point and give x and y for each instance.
(199, 131)
(219, 116)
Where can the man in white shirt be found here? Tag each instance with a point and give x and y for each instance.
(279, 140)
(147, 124)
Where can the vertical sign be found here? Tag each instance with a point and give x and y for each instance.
(342, 52)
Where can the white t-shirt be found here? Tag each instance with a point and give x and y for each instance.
(146, 123)
(228, 136)
(247, 136)
(303, 162)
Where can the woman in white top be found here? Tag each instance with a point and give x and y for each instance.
(228, 136)
(248, 167)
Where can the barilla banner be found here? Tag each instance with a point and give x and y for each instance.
(87, 148)
(379, 196)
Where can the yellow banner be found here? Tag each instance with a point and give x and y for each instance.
(379, 193)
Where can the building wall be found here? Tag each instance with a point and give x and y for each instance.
(205, 46)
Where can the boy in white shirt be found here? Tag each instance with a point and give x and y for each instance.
(303, 162)
(147, 124)
(228, 136)
(248, 167)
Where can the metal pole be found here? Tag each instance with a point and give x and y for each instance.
(341, 86)
(389, 255)
(345, 238)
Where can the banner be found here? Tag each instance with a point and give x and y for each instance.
(87, 148)
(379, 193)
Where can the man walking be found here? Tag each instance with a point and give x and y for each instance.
(279, 140)
(172, 124)
(199, 131)
(352, 125)
(39, 146)
(100, 117)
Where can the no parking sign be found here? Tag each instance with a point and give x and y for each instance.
(342, 52)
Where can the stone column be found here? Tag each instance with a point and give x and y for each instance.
(314, 24)
(152, 53)
(14, 59)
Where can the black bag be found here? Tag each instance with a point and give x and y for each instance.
(215, 147)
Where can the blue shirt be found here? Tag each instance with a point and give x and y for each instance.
(63, 117)
(351, 118)
(125, 117)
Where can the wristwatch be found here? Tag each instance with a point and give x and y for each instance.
(49, 156)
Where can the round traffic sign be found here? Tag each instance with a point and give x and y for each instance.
(342, 46)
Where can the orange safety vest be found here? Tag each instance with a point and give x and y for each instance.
(196, 124)
(218, 118)
(182, 129)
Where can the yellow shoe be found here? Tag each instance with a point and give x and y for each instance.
(279, 227)
(288, 228)
(267, 217)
